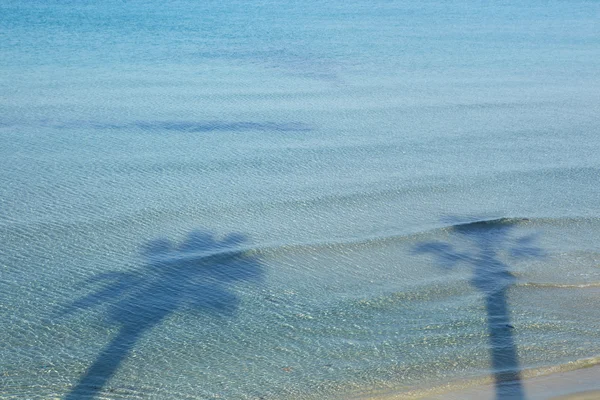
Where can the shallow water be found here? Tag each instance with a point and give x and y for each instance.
(295, 200)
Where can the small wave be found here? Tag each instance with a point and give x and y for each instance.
(168, 125)
(560, 285)
(403, 237)
(94, 222)
(486, 223)
(408, 237)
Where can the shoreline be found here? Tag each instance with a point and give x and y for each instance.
(576, 380)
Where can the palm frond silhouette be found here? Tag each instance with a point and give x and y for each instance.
(196, 274)
(487, 242)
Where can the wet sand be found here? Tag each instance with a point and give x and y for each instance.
(570, 385)
(580, 384)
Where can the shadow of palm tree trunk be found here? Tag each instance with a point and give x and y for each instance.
(505, 362)
(106, 364)
(480, 245)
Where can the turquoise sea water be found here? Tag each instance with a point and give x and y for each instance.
(285, 199)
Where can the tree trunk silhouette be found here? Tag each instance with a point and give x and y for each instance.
(106, 364)
(504, 353)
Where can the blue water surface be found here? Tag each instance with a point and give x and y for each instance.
(295, 199)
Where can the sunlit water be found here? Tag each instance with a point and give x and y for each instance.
(273, 200)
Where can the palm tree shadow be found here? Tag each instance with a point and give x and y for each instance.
(487, 241)
(196, 274)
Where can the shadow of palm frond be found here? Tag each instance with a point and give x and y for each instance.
(484, 243)
(196, 274)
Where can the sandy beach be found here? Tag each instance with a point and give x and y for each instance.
(571, 385)
(568, 384)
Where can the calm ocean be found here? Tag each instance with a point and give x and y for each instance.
(296, 199)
